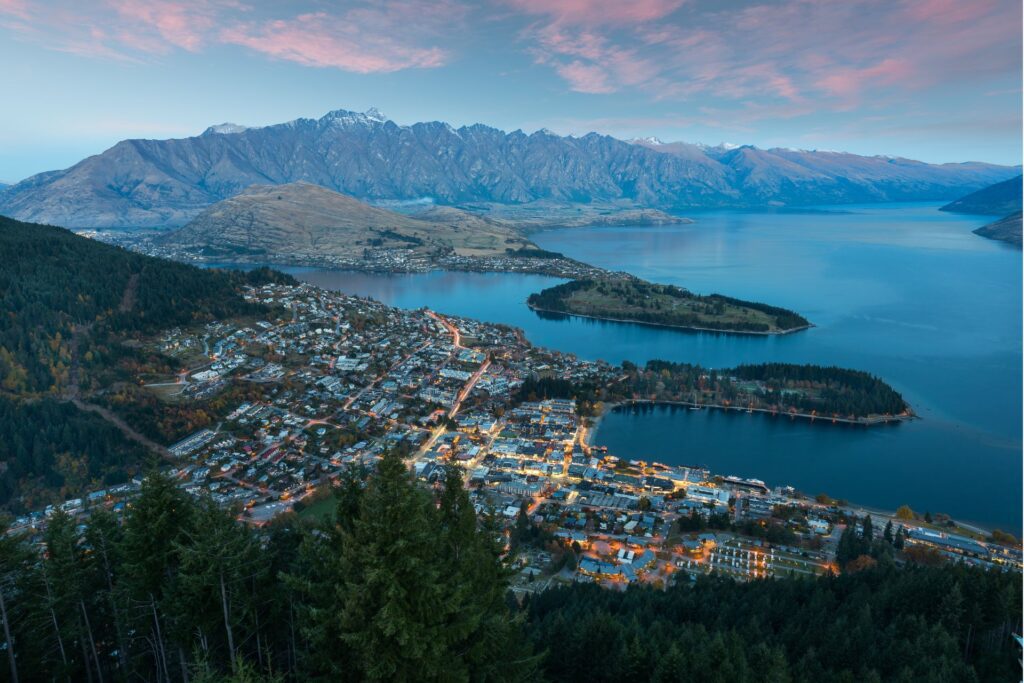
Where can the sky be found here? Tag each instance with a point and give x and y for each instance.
(936, 80)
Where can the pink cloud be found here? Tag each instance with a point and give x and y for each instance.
(176, 24)
(599, 11)
(849, 82)
(363, 37)
(324, 41)
(584, 77)
(16, 8)
(796, 51)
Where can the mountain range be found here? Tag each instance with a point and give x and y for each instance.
(156, 183)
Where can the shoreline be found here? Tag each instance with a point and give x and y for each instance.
(868, 421)
(691, 328)
(851, 506)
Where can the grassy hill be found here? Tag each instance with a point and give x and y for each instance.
(304, 219)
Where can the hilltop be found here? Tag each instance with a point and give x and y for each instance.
(161, 183)
(291, 220)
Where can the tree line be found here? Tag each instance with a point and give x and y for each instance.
(406, 582)
(828, 390)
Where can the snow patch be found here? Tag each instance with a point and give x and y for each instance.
(225, 129)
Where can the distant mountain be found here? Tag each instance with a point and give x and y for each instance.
(996, 200)
(169, 182)
(302, 218)
(1006, 229)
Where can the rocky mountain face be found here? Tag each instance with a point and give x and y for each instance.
(149, 183)
(996, 200)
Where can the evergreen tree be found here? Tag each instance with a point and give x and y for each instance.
(218, 559)
(392, 593)
(160, 519)
(16, 570)
(64, 584)
(481, 625)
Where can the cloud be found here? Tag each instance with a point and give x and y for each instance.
(159, 25)
(801, 52)
(362, 37)
(14, 8)
(584, 77)
(593, 12)
(323, 40)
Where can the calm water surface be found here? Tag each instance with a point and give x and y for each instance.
(903, 291)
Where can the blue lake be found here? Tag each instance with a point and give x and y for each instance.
(903, 291)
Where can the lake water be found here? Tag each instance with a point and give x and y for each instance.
(903, 291)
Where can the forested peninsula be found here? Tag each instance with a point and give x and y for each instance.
(634, 300)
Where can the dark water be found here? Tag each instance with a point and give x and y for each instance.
(903, 291)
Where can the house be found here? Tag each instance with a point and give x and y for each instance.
(817, 525)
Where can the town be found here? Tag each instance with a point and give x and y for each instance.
(341, 380)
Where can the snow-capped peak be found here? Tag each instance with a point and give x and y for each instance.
(344, 117)
(225, 129)
(649, 140)
(374, 115)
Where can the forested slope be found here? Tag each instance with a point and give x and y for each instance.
(68, 306)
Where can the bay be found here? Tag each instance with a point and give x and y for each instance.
(901, 290)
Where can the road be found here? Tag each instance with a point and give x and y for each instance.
(358, 395)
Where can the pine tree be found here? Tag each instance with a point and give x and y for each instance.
(900, 541)
(159, 520)
(392, 598)
(62, 587)
(218, 558)
(484, 637)
(16, 560)
(312, 590)
(103, 537)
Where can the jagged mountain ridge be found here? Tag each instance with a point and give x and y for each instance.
(148, 183)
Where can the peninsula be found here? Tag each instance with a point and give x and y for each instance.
(634, 300)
